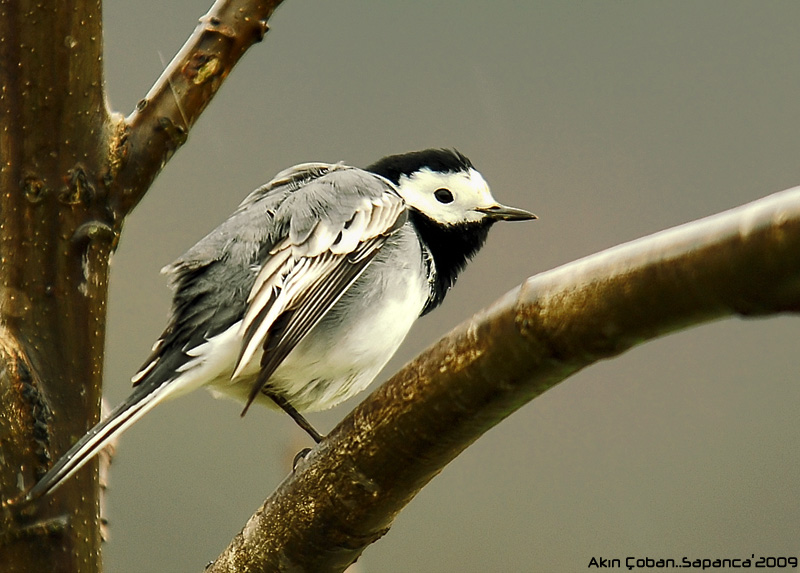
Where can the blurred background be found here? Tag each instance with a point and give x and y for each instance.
(610, 120)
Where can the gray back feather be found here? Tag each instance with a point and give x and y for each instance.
(213, 278)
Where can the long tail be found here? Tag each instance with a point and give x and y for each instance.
(141, 401)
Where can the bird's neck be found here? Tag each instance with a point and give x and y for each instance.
(451, 247)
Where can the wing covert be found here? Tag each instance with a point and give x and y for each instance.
(308, 271)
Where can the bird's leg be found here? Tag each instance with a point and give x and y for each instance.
(284, 405)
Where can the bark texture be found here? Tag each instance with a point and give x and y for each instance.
(55, 238)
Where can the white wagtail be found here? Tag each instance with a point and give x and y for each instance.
(305, 292)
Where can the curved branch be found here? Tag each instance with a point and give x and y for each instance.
(346, 492)
(161, 121)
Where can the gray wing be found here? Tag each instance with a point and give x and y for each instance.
(211, 280)
(279, 263)
(333, 236)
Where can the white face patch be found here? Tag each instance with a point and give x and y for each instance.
(468, 190)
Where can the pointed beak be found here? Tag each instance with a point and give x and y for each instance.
(503, 213)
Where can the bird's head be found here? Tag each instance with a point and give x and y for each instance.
(443, 185)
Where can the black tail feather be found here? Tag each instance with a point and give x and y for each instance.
(123, 416)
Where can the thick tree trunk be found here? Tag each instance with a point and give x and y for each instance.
(56, 234)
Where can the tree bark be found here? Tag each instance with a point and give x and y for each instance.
(53, 270)
(70, 172)
(345, 494)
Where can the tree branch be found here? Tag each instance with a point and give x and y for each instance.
(161, 121)
(347, 491)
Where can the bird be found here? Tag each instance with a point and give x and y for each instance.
(304, 293)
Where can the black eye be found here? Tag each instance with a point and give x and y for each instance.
(443, 195)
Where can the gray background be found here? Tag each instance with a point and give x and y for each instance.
(611, 120)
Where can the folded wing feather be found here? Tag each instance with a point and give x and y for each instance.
(301, 281)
